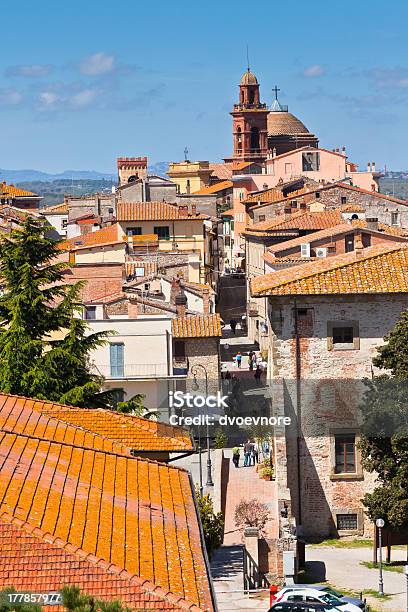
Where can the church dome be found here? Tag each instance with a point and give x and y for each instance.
(281, 123)
(248, 78)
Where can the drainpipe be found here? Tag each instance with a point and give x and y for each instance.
(298, 411)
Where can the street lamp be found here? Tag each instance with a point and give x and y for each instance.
(195, 387)
(406, 574)
(380, 524)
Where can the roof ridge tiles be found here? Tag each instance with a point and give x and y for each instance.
(148, 586)
(309, 270)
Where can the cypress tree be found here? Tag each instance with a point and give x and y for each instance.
(44, 347)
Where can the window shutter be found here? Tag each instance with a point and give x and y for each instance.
(117, 359)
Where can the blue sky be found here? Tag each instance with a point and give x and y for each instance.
(84, 82)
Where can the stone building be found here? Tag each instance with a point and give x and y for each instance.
(130, 169)
(326, 320)
(387, 209)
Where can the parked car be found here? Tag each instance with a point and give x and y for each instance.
(300, 593)
(344, 598)
(299, 606)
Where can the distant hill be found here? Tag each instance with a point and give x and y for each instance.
(395, 185)
(53, 191)
(23, 176)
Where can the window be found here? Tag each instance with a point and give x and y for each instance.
(133, 231)
(288, 168)
(349, 243)
(394, 218)
(117, 360)
(343, 199)
(317, 195)
(347, 522)
(90, 312)
(345, 454)
(310, 162)
(261, 218)
(343, 335)
(64, 223)
(179, 350)
(162, 232)
(254, 138)
(293, 204)
(188, 186)
(295, 598)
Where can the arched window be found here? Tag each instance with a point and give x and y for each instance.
(254, 138)
(239, 139)
(242, 97)
(251, 96)
(133, 178)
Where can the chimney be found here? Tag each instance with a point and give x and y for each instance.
(274, 152)
(368, 167)
(287, 211)
(175, 288)
(372, 223)
(358, 247)
(181, 303)
(206, 301)
(183, 209)
(343, 150)
(133, 309)
(193, 209)
(372, 166)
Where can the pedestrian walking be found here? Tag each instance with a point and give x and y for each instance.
(255, 453)
(233, 325)
(235, 456)
(247, 453)
(258, 373)
(238, 359)
(250, 362)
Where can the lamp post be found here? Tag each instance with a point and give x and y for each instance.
(380, 524)
(406, 575)
(195, 387)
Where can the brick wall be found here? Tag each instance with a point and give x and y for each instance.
(101, 280)
(327, 399)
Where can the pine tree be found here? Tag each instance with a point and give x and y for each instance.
(35, 306)
(384, 443)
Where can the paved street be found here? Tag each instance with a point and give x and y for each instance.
(342, 568)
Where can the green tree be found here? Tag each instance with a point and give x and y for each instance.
(35, 305)
(213, 524)
(135, 406)
(75, 601)
(384, 443)
(220, 438)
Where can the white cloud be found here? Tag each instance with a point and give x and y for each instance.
(82, 98)
(49, 99)
(315, 70)
(29, 70)
(390, 77)
(96, 64)
(10, 97)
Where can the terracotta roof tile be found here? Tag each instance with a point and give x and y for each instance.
(198, 326)
(153, 211)
(352, 208)
(58, 209)
(111, 234)
(126, 524)
(299, 220)
(15, 192)
(215, 188)
(379, 269)
(107, 427)
(222, 171)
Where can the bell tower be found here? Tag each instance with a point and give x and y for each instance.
(250, 115)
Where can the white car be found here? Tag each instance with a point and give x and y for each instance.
(307, 594)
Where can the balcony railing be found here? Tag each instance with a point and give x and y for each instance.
(132, 370)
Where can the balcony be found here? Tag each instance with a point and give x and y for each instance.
(180, 366)
(132, 371)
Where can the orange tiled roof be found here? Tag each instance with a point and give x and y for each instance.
(58, 209)
(380, 269)
(111, 234)
(299, 220)
(134, 519)
(197, 326)
(215, 188)
(222, 171)
(273, 194)
(352, 208)
(240, 165)
(153, 211)
(15, 192)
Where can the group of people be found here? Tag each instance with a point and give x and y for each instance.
(255, 363)
(251, 454)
